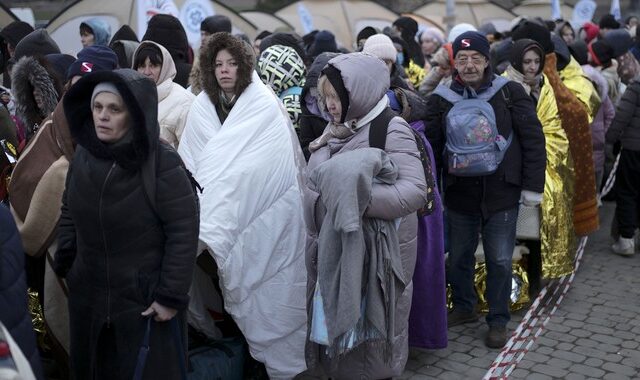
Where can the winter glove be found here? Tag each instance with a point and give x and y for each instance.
(530, 198)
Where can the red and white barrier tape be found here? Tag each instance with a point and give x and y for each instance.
(540, 312)
(611, 180)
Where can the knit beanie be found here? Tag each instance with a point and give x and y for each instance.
(365, 33)
(216, 23)
(620, 41)
(91, 59)
(472, 41)
(35, 43)
(408, 25)
(500, 54)
(104, 87)
(60, 64)
(520, 48)
(458, 30)
(324, 41)
(601, 53)
(533, 30)
(15, 31)
(291, 40)
(487, 29)
(591, 31)
(381, 46)
(335, 78)
(433, 34)
(609, 22)
(579, 51)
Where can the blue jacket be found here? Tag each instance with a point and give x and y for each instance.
(14, 312)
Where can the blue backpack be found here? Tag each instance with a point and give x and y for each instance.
(473, 147)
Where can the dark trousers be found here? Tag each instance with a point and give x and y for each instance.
(627, 192)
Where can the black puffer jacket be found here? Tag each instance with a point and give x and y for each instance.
(118, 252)
(14, 311)
(523, 165)
(625, 126)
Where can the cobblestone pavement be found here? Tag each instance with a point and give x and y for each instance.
(594, 334)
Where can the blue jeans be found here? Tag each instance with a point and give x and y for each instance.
(498, 240)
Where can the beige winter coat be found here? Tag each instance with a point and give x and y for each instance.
(174, 101)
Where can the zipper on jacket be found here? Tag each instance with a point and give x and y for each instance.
(104, 242)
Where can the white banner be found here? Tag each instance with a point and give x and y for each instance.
(149, 8)
(305, 18)
(191, 15)
(583, 12)
(615, 9)
(556, 14)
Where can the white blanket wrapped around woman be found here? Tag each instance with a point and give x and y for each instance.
(251, 219)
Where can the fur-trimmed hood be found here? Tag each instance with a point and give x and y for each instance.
(28, 75)
(140, 97)
(238, 49)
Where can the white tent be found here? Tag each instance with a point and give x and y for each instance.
(542, 8)
(343, 18)
(6, 16)
(64, 27)
(266, 21)
(475, 12)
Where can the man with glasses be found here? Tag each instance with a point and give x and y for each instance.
(487, 204)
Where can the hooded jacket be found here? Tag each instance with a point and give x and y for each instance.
(11, 34)
(366, 80)
(603, 118)
(312, 120)
(27, 76)
(101, 30)
(125, 33)
(128, 232)
(167, 31)
(14, 305)
(624, 127)
(174, 100)
(556, 227)
(282, 69)
(524, 161)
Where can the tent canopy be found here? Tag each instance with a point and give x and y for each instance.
(343, 18)
(6, 16)
(542, 8)
(475, 12)
(64, 27)
(266, 21)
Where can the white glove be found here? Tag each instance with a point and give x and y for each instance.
(530, 198)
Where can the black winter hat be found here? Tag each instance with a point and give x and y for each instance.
(580, 51)
(262, 35)
(472, 40)
(562, 52)
(15, 32)
(60, 64)
(324, 41)
(408, 25)
(167, 31)
(518, 51)
(36, 43)
(286, 39)
(608, 21)
(91, 59)
(533, 30)
(215, 24)
(500, 54)
(124, 33)
(601, 53)
(366, 32)
(620, 41)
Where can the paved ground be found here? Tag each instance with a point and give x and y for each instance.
(594, 334)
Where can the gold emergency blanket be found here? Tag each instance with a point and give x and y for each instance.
(576, 80)
(415, 74)
(37, 318)
(519, 296)
(556, 227)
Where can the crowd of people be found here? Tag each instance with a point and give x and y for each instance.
(331, 208)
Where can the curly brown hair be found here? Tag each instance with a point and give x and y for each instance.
(242, 54)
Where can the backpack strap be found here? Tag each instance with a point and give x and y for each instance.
(448, 94)
(496, 85)
(379, 127)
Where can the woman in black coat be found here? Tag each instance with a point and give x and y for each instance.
(128, 232)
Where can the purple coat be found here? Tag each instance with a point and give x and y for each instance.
(428, 316)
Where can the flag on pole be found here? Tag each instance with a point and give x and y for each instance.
(615, 9)
(556, 14)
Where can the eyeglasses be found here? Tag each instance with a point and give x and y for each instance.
(476, 61)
